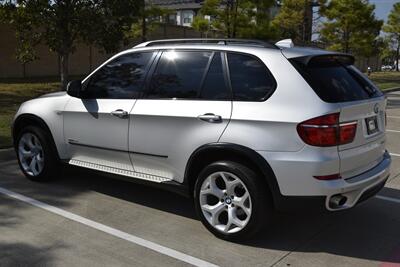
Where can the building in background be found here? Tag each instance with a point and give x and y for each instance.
(182, 11)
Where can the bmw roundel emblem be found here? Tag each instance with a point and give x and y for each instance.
(376, 108)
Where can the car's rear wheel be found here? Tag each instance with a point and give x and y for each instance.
(36, 155)
(232, 201)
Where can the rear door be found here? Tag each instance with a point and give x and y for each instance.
(187, 104)
(359, 101)
(368, 147)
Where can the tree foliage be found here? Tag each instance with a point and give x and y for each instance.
(148, 22)
(351, 27)
(60, 24)
(296, 19)
(25, 34)
(236, 18)
(393, 29)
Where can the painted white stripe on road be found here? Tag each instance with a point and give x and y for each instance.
(109, 230)
(394, 117)
(394, 154)
(392, 131)
(391, 199)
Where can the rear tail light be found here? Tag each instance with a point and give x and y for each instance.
(327, 131)
(328, 177)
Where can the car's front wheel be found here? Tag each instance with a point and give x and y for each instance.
(36, 156)
(232, 200)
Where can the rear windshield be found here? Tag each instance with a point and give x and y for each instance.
(334, 82)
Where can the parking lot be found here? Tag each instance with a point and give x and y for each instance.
(83, 219)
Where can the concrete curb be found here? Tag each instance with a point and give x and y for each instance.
(7, 154)
(391, 90)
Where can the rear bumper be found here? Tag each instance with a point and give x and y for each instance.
(355, 190)
(363, 186)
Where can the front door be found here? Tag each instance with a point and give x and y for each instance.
(96, 125)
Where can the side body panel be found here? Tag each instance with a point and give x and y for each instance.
(50, 109)
(94, 135)
(164, 133)
(270, 128)
(271, 125)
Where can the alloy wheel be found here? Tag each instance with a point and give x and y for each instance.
(31, 154)
(225, 202)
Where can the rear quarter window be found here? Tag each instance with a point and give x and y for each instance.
(335, 82)
(250, 78)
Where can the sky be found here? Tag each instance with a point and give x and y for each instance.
(383, 7)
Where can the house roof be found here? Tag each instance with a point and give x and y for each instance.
(177, 4)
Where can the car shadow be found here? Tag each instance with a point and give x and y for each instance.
(370, 231)
(22, 254)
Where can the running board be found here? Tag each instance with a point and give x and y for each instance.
(133, 174)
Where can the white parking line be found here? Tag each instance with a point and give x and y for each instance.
(394, 154)
(109, 230)
(394, 117)
(392, 131)
(391, 199)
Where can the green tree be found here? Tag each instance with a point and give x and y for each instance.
(351, 26)
(202, 25)
(393, 29)
(148, 21)
(262, 27)
(236, 18)
(296, 18)
(60, 24)
(27, 39)
(387, 51)
(289, 20)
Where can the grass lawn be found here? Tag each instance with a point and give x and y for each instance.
(386, 79)
(12, 94)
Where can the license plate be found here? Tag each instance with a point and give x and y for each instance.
(372, 125)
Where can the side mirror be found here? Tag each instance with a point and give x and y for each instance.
(74, 88)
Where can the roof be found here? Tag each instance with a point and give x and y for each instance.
(177, 4)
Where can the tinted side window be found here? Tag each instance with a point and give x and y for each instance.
(121, 78)
(250, 78)
(178, 74)
(214, 86)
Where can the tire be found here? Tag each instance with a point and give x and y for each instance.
(254, 211)
(33, 143)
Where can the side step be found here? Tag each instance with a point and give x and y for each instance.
(133, 174)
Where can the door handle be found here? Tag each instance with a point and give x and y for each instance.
(210, 117)
(120, 113)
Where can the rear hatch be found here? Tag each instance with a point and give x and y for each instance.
(335, 80)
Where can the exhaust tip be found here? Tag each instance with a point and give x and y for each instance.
(337, 201)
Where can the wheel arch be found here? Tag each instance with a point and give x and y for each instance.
(209, 153)
(30, 119)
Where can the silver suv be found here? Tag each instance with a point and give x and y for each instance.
(243, 127)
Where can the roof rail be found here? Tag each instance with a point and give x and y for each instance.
(250, 42)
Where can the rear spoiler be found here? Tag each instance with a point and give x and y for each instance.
(314, 60)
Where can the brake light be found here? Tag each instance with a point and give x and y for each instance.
(327, 131)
